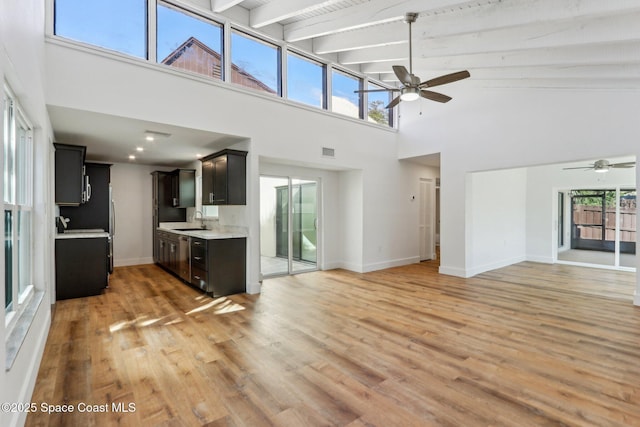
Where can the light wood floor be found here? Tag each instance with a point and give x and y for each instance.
(526, 345)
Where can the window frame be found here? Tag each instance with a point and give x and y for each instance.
(324, 67)
(262, 40)
(21, 295)
(194, 15)
(361, 97)
(369, 83)
(147, 48)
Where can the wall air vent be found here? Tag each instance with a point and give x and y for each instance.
(328, 152)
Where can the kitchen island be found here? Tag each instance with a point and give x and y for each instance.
(212, 260)
(82, 263)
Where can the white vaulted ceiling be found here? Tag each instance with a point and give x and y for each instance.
(503, 43)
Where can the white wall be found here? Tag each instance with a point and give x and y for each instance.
(490, 129)
(21, 65)
(132, 195)
(276, 129)
(497, 204)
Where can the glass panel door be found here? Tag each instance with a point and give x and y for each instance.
(627, 228)
(288, 225)
(274, 226)
(304, 225)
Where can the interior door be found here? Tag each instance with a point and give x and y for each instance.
(426, 220)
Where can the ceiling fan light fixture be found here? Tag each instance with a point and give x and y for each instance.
(410, 94)
(601, 169)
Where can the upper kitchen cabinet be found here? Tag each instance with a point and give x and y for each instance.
(163, 210)
(183, 188)
(224, 178)
(93, 213)
(71, 188)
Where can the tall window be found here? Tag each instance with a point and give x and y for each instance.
(119, 25)
(343, 98)
(255, 63)
(305, 80)
(377, 101)
(18, 184)
(189, 42)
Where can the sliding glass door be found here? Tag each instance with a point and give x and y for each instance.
(288, 225)
(603, 227)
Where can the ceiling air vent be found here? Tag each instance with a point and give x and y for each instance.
(328, 152)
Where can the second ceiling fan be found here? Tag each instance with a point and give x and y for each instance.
(412, 88)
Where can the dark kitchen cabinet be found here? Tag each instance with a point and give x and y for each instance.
(183, 188)
(218, 266)
(224, 178)
(70, 182)
(167, 250)
(94, 213)
(81, 267)
(163, 209)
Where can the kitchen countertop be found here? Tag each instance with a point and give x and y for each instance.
(206, 234)
(82, 235)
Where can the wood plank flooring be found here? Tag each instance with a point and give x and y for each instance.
(526, 345)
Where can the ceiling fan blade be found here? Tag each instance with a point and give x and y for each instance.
(376, 90)
(434, 96)
(402, 74)
(581, 167)
(447, 78)
(623, 165)
(395, 101)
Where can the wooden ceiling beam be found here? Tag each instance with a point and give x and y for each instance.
(279, 10)
(363, 15)
(219, 6)
(506, 15)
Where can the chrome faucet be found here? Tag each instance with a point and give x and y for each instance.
(195, 216)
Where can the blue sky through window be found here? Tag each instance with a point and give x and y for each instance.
(305, 80)
(120, 25)
(377, 101)
(344, 100)
(175, 27)
(256, 58)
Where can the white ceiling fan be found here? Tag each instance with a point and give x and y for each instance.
(604, 166)
(412, 88)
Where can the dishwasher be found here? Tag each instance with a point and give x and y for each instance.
(184, 258)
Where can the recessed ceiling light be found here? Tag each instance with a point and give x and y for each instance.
(198, 156)
(139, 149)
(149, 138)
(132, 157)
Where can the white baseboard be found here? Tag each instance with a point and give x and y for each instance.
(540, 259)
(470, 272)
(494, 265)
(452, 271)
(391, 263)
(132, 261)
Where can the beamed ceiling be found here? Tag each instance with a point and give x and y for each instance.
(503, 43)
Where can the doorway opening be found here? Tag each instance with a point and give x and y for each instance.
(288, 225)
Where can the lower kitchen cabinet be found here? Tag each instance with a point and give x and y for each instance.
(168, 250)
(81, 267)
(218, 266)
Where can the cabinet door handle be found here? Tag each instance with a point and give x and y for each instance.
(197, 258)
(210, 197)
(197, 243)
(196, 277)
